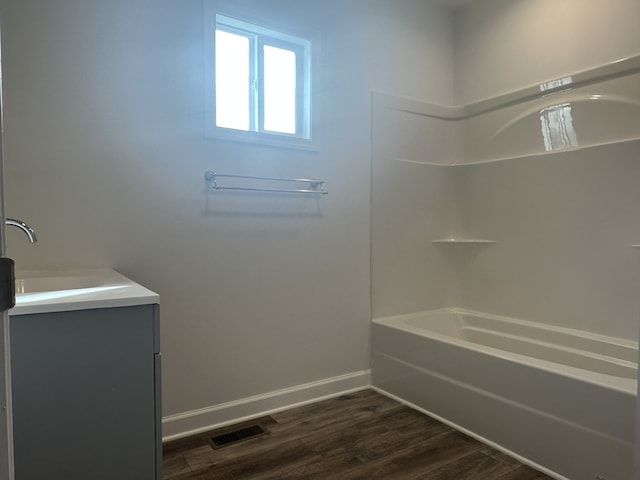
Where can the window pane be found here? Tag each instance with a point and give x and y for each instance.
(232, 81)
(279, 90)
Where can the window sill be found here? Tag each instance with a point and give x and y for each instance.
(263, 139)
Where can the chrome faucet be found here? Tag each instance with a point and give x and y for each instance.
(24, 227)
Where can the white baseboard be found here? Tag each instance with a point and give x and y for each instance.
(216, 416)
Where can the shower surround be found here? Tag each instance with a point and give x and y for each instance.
(523, 206)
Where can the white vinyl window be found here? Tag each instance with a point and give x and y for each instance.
(260, 87)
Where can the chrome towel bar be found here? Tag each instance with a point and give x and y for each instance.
(315, 187)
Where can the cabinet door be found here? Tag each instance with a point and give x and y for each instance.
(83, 389)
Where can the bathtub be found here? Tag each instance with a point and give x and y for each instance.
(558, 399)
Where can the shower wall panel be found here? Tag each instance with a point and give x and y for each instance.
(564, 224)
(545, 178)
(413, 197)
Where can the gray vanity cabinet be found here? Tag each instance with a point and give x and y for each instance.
(86, 394)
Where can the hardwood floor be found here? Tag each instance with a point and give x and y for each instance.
(362, 436)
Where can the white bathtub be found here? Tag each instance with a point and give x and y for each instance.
(562, 400)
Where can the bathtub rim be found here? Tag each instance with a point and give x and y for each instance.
(624, 385)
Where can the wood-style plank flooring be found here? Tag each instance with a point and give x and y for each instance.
(362, 436)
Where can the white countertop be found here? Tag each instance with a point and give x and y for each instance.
(40, 291)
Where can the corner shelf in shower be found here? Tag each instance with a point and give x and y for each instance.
(635, 246)
(463, 241)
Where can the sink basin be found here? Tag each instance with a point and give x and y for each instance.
(57, 283)
(61, 290)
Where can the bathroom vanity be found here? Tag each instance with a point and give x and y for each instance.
(85, 368)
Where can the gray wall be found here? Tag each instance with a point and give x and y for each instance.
(503, 45)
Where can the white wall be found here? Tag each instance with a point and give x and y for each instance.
(564, 223)
(105, 154)
(503, 45)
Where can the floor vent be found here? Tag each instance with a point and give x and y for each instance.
(231, 438)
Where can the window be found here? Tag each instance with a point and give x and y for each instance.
(259, 84)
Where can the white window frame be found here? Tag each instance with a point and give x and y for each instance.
(303, 136)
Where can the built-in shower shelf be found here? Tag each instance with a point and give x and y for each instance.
(635, 246)
(463, 241)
